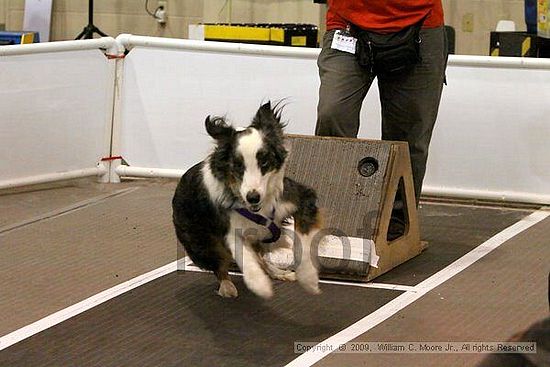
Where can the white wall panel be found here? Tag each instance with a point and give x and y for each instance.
(490, 139)
(167, 95)
(492, 134)
(54, 112)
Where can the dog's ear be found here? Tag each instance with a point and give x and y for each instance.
(268, 117)
(218, 128)
(266, 107)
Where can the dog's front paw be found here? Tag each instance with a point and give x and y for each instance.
(308, 279)
(227, 289)
(259, 283)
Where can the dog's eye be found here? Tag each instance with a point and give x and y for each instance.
(265, 165)
(238, 165)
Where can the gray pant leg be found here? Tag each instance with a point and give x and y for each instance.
(344, 85)
(410, 103)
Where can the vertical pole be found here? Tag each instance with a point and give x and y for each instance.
(90, 12)
(230, 11)
(116, 122)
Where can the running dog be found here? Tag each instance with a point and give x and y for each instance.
(231, 207)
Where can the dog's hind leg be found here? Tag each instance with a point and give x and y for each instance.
(227, 288)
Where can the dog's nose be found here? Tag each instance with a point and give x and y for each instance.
(253, 197)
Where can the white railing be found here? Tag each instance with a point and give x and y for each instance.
(130, 41)
(499, 62)
(130, 171)
(99, 170)
(109, 44)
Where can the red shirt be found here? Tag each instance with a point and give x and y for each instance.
(383, 16)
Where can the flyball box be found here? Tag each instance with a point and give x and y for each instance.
(357, 181)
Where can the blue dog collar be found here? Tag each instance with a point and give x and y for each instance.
(263, 221)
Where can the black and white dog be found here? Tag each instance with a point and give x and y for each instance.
(232, 204)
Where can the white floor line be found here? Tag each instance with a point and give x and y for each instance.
(97, 299)
(394, 287)
(397, 304)
(196, 269)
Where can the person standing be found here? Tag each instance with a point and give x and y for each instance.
(410, 86)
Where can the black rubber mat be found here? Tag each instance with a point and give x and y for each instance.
(451, 232)
(495, 299)
(178, 320)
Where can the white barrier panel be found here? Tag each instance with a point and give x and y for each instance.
(56, 108)
(170, 86)
(489, 141)
(491, 138)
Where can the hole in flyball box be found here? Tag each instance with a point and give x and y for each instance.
(367, 166)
